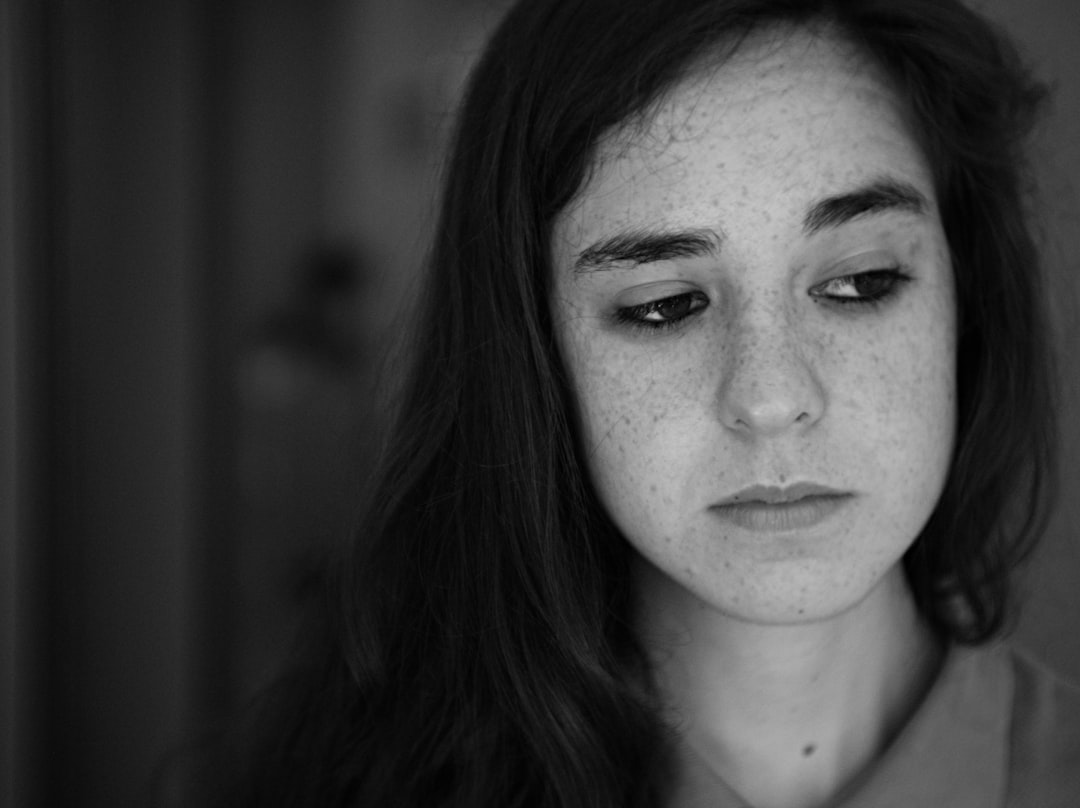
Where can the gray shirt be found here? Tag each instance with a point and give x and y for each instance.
(996, 730)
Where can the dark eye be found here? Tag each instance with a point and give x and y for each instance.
(863, 287)
(672, 308)
(665, 312)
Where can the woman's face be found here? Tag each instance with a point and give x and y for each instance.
(754, 300)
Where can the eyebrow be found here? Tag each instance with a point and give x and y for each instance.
(880, 195)
(643, 246)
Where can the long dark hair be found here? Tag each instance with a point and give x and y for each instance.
(481, 654)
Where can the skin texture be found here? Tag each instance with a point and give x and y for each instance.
(767, 384)
(767, 378)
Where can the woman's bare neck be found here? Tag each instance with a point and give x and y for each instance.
(787, 715)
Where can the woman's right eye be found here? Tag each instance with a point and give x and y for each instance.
(666, 312)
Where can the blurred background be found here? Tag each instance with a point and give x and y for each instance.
(210, 212)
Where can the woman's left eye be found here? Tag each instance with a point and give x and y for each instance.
(873, 286)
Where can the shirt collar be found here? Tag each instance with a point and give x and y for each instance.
(953, 751)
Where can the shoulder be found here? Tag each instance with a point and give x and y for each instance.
(1044, 737)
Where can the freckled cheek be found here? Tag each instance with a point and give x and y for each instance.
(620, 397)
(903, 388)
(634, 410)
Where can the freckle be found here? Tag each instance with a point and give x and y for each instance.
(652, 489)
(808, 750)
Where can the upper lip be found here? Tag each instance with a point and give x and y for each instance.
(771, 494)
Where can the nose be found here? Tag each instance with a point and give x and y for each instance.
(770, 383)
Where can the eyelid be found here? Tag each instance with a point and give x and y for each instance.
(865, 261)
(644, 293)
(858, 262)
(636, 315)
(891, 278)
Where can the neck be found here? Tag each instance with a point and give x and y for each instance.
(788, 714)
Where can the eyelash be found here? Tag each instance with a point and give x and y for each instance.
(892, 276)
(635, 316)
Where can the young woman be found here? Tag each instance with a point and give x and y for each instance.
(728, 425)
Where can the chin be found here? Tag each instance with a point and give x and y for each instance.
(792, 593)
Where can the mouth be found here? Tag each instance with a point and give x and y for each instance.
(776, 510)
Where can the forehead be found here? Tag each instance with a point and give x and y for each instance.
(791, 116)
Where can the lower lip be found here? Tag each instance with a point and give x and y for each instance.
(779, 517)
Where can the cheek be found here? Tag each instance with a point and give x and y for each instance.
(635, 409)
(621, 399)
(904, 400)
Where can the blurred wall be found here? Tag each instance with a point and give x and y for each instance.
(106, 272)
(1049, 32)
(210, 212)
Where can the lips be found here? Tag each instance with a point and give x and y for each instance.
(775, 495)
(775, 509)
